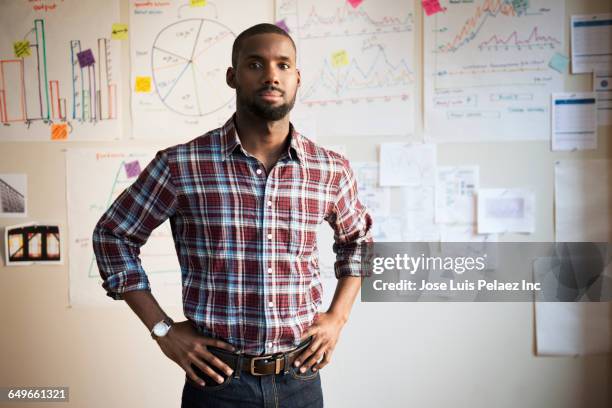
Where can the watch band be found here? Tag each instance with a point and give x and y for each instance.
(167, 320)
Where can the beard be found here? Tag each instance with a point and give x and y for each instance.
(262, 109)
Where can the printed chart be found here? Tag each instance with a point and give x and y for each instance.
(487, 73)
(58, 81)
(357, 64)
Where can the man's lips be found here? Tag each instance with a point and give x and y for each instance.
(270, 95)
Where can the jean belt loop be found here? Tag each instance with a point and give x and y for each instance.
(238, 367)
(286, 369)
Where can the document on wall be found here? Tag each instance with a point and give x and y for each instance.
(506, 210)
(574, 117)
(455, 194)
(602, 86)
(591, 43)
(404, 164)
(581, 215)
(376, 199)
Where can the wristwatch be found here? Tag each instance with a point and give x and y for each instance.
(162, 328)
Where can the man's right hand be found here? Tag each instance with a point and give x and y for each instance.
(185, 346)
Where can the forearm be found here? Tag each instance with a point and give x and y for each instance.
(145, 306)
(344, 297)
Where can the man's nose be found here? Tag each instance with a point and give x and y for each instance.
(270, 74)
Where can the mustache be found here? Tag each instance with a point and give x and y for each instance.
(269, 88)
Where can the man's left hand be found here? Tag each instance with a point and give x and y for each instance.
(325, 332)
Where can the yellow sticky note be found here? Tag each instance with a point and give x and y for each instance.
(59, 131)
(120, 31)
(22, 48)
(197, 3)
(339, 59)
(143, 84)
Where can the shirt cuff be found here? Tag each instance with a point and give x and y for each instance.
(126, 281)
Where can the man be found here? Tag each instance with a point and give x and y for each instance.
(244, 202)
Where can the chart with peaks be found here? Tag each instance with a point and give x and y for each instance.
(357, 64)
(487, 72)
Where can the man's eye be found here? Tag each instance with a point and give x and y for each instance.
(254, 65)
(284, 66)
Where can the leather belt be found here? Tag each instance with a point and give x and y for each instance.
(260, 365)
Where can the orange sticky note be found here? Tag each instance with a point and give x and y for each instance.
(59, 131)
(143, 84)
(339, 59)
(22, 48)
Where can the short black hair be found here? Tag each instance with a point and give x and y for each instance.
(263, 28)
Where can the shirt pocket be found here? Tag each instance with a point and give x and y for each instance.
(303, 233)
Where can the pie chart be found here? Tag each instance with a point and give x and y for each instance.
(189, 59)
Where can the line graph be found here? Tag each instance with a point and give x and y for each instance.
(375, 76)
(316, 21)
(477, 51)
(379, 76)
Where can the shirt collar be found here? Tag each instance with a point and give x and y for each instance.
(230, 141)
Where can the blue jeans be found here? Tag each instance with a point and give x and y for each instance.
(291, 390)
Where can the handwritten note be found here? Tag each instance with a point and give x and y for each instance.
(120, 31)
(559, 63)
(355, 3)
(282, 24)
(339, 59)
(432, 6)
(132, 169)
(59, 131)
(86, 58)
(22, 48)
(197, 3)
(143, 84)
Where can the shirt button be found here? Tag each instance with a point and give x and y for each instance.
(269, 270)
(271, 304)
(269, 236)
(269, 203)
(258, 171)
(270, 345)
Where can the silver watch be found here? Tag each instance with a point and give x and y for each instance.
(161, 328)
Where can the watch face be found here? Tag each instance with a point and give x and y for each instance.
(160, 329)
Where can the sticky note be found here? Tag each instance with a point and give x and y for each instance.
(132, 169)
(197, 3)
(86, 58)
(143, 84)
(120, 31)
(339, 59)
(432, 6)
(59, 131)
(559, 63)
(355, 3)
(282, 24)
(22, 48)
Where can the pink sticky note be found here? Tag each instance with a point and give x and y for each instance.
(283, 25)
(354, 3)
(132, 169)
(431, 6)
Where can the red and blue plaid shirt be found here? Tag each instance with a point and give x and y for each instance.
(246, 240)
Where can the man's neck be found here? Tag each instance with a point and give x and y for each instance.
(262, 138)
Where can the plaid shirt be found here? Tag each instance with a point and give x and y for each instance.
(246, 240)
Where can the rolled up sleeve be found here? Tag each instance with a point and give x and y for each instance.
(352, 225)
(127, 224)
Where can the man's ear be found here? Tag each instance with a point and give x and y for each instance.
(299, 77)
(230, 77)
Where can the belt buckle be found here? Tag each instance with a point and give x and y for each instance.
(277, 362)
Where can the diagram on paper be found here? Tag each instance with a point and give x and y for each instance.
(487, 73)
(58, 81)
(95, 179)
(180, 55)
(356, 62)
